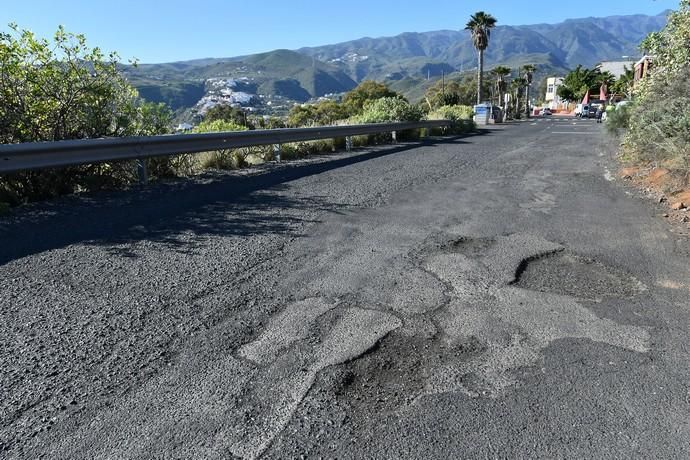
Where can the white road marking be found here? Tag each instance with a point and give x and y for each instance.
(574, 132)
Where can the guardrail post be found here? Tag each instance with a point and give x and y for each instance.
(277, 149)
(142, 171)
(348, 143)
(394, 134)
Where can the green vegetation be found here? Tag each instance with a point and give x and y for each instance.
(65, 90)
(322, 114)
(225, 113)
(577, 82)
(500, 73)
(460, 90)
(219, 159)
(659, 123)
(61, 90)
(388, 109)
(480, 25)
(452, 112)
(368, 90)
(617, 119)
(460, 114)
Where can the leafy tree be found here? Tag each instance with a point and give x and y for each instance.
(581, 80)
(302, 115)
(480, 25)
(227, 113)
(323, 113)
(565, 93)
(368, 90)
(328, 112)
(62, 89)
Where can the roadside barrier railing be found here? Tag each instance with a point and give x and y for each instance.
(41, 155)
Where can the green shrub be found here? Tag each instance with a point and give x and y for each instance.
(659, 125)
(617, 118)
(221, 159)
(452, 112)
(659, 122)
(62, 89)
(389, 109)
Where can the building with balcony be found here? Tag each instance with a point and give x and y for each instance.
(552, 100)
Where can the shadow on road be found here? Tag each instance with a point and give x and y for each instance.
(215, 204)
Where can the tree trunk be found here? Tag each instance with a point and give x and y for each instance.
(527, 111)
(480, 76)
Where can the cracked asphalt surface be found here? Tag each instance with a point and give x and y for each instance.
(491, 296)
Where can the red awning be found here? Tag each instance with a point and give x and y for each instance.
(602, 92)
(585, 100)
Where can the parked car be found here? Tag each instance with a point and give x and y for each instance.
(545, 112)
(582, 110)
(590, 111)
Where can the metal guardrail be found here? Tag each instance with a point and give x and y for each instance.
(40, 155)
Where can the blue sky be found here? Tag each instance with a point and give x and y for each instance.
(172, 30)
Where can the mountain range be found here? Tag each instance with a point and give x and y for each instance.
(407, 61)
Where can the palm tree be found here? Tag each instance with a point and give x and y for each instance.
(480, 25)
(501, 72)
(528, 70)
(518, 85)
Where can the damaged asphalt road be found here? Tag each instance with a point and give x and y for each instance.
(487, 296)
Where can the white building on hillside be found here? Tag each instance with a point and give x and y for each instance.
(616, 68)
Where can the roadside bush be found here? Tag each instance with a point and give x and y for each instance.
(296, 150)
(617, 119)
(219, 159)
(659, 124)
(320, 114)
(452, 112)
(62, 89)
(366, 92)
(457, 113)
(389, 109)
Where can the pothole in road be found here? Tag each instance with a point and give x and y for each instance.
(572, 275)
(392, 376)
(470, 247)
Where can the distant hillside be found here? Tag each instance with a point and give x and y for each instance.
(562, 46)
(281, 73)
(408, 62)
